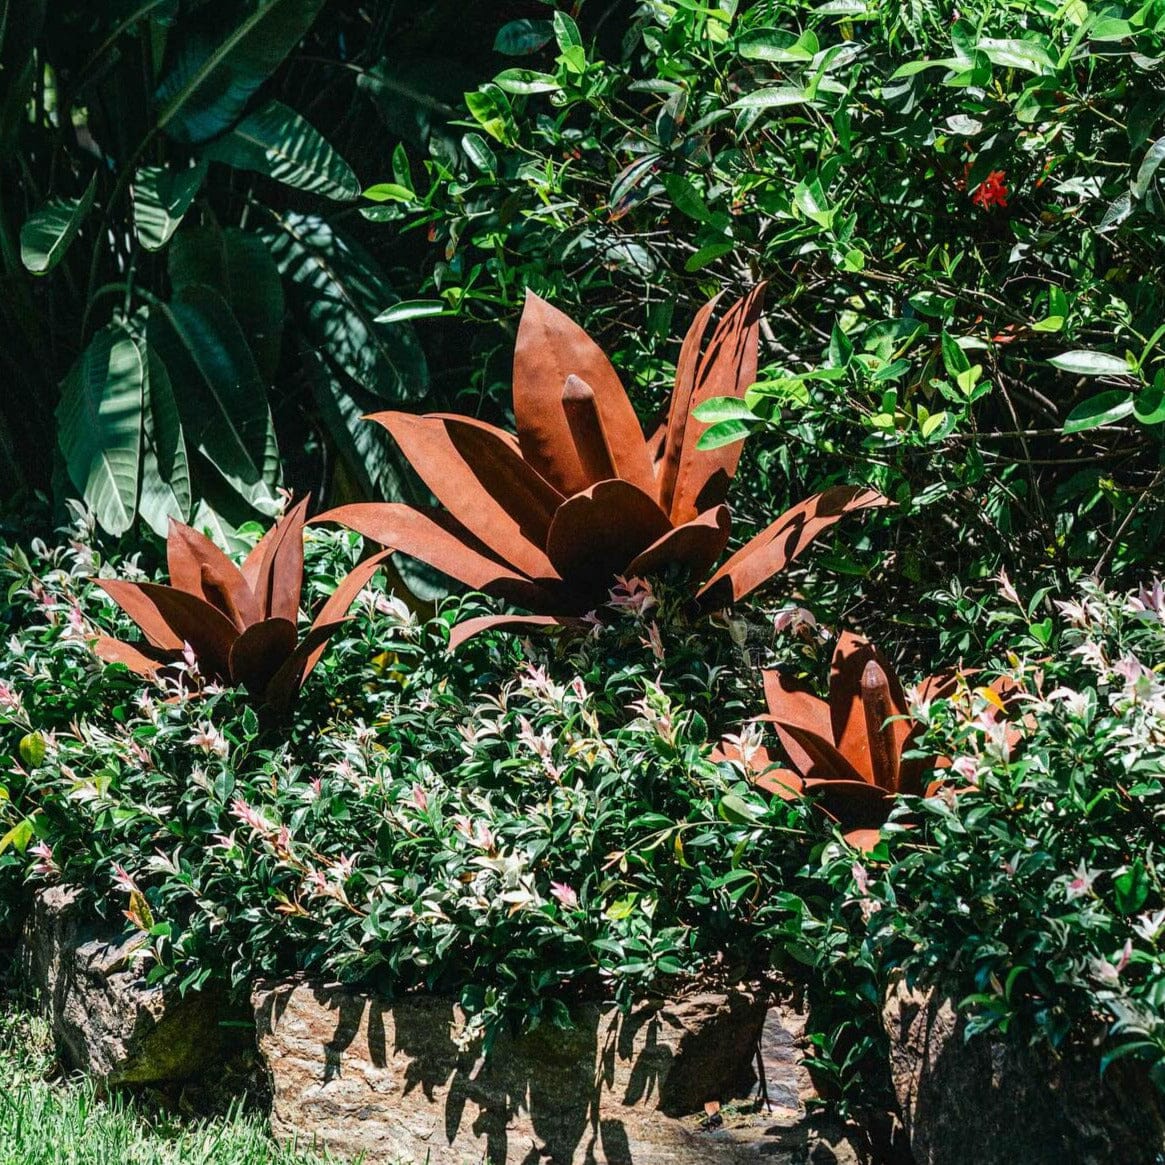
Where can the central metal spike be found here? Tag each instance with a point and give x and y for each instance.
(875, 692)
(586, 430)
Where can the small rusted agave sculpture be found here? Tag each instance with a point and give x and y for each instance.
(548, 518)
(847, 751)
(240, 624)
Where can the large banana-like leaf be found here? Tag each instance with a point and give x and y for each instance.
(337, 290)
(240, 268)
(100, 429)
(46, 235)
(219, 68)
(165, 490)
(161, 196)
(276, 141)
(221, 399)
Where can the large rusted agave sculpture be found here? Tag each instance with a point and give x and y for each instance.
(239, 624)
(547, 518)
(847, 751)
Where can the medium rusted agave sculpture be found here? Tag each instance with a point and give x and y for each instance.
(847, 751)
(548, 518)
(240, 624)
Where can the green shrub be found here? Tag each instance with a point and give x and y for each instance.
(1038, 895)
(958, 210)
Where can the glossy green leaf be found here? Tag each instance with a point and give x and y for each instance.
(337, 292)
(218, 68)
(772, 98)
(1102, 409)
(519, 37)
(410, 309)
(100, 426)
(491, 110)
(708, 254)
(46, 235)
(724, 433)
(161, 196)
(278, 142)
(1149, 165)
(723, 408)
(1086, 363)
(526, 81)
(686, 197)
(165, 491)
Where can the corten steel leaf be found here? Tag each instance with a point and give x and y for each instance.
(240, 624)
(848, 751)
(547, 518)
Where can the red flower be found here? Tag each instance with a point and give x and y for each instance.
(992, 191)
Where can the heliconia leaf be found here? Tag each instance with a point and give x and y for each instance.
(161, 197)
(725, 368)
(597, 533)
(221, 398)
(238, 265)
(165, 475)
(200, 568)
(775, 547)
(114, 651)
(100, 425)
(479, 476)
(468, 628)
(337, 290)
(276, 141)
(223, 60)
(260, 651)
(550, 347)
(439, 540)
(47, 233)
(696, 545)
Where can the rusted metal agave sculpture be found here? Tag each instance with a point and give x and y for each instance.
(547, 518)
(847, 751)
(239, 624)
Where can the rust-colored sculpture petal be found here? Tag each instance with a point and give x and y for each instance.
(188, 619)
(284, 685)
(200, 568)
(691, 479)
(826, 763)
(437, 539)
(482, 481)
(863, 839)
(696, 545)
(279, 574)
(260, 651)
(550, 347)
(597, 533)
(852, 803)
(783, 783)
(143, 611)
(114, 651)
(334, 612)
(790, 704)
(775, 547)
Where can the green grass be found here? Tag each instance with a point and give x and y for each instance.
(65, 1122)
